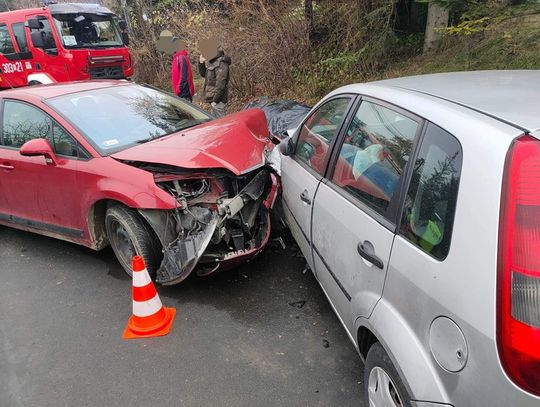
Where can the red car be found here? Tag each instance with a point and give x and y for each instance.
(112, 162)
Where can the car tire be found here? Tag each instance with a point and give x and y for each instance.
(382, 384)
(130, 235)
(34, 83)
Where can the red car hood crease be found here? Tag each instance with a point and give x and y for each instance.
(236, 142)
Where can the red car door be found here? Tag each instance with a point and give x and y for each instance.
(4, 208)
(61, 199)
(40, 193)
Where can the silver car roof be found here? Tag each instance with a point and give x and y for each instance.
(510, 96)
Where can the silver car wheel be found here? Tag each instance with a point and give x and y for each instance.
(381, 390)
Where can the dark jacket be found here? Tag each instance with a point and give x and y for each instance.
(216, 78)
(182, 79)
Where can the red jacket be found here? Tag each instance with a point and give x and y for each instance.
(182, 78)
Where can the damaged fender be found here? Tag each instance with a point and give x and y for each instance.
(219, 218)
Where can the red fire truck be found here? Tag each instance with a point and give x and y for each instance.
(62, 42)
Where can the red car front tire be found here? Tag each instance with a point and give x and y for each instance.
(130, 235)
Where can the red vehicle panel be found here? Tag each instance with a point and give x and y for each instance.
(237, 143)
(199, 193)
(59, 43)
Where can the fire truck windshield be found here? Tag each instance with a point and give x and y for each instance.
(87, 30)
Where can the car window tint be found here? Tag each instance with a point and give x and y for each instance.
(23, 122)
(6, 45)
(63, 143)
(374, 153)
(431, 200)
(318, 131)
(20, 37)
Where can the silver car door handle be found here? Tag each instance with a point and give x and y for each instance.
(362, 251)
(7, 167)
(304, 196)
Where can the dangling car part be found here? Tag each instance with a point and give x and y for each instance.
(220, 220)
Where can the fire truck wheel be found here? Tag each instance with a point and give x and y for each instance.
(34, 82)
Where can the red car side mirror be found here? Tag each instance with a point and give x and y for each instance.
(37, 147)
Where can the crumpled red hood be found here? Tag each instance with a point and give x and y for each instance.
(235, 142)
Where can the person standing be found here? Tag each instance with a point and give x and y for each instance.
(182, 77)
(215, 71)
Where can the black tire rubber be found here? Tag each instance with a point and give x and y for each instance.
(141, 235)
(377, 357)
(34, 83)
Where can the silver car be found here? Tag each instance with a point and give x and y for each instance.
(416, 202)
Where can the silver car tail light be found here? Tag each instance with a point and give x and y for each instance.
(518, 308)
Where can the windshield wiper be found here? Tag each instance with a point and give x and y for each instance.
(179, 120)
(92, 45)
(186, 123)
(145, 140)
(192, 123)
(107, 46)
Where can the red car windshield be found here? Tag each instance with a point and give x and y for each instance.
(112, 119)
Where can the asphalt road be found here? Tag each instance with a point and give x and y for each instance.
(236, 340)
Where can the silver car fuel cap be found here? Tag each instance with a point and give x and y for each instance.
(448, 345)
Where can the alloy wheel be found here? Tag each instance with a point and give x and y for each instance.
(381, 390)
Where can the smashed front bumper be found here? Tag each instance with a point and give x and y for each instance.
(224, 226)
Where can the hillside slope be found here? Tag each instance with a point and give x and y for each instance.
(511, 43)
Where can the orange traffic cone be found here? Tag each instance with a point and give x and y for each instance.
(150, 317)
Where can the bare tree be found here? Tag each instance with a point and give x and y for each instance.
(308, 12)
(437, 21)
(6, 5)
(364, 5)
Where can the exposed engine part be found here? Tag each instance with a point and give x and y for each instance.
(194, 218)
(184, 190)
(230, 207)
(179, 195)
(238, 239)
(248, 214)
(181, 257)
(219, 217)
(219, 234)
(254, 189)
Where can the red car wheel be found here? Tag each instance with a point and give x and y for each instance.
(129, 235)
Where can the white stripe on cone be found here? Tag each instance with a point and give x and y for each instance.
(141, 278)
(147, 308)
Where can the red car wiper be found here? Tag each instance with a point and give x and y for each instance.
(145, 140)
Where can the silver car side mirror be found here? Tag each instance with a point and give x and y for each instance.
(286, 147)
